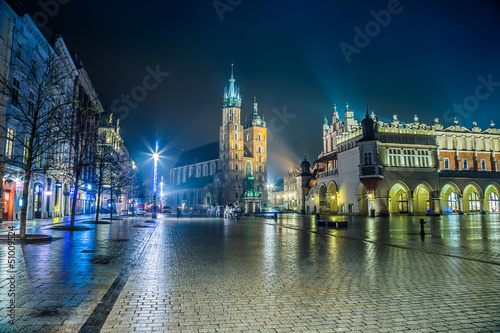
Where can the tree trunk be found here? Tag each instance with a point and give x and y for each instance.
(73, 200)
(98, 205)
(111, 193)
(24, 208)
(99, 190)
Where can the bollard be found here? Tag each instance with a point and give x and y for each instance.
(422, 231)
(317, 218)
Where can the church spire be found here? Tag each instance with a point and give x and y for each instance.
(232, 97)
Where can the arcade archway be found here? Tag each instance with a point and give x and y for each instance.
(422, 199)
(332, 196)
(399, 199)
(472, 199)
(492, 199)
(450, 202)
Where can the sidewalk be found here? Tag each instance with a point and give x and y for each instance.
(45, 222)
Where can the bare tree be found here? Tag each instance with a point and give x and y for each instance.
(78, 130)
(103, 158)
(38, 99)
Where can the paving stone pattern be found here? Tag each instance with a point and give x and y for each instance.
(256, 275)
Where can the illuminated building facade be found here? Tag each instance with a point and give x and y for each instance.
(232, 169)
(378, 168)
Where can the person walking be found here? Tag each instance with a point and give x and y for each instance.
(178, 211)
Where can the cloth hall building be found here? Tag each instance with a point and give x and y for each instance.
(232, 169)
(378, 168)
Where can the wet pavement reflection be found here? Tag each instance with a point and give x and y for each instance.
(253, 274)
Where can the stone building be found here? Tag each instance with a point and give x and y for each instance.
(285, 197)
(379, 168)
(232, 169)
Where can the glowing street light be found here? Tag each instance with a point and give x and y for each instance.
(155, 180)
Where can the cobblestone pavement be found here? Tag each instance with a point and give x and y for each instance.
(256, 275)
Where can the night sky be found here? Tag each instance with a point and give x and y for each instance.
(430, 56)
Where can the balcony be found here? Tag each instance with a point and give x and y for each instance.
(332, 172)
(368, 171)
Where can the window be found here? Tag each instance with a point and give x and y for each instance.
(19, 50)
(494, 202)
(453, 202)
(367, 158)
(9, 143)
(208, 200)
(423, 158)
(213, 169)
(248, 137)
(395, 157)
(236, 156)
(483, 164)
(198, 172)
(474, 202)
(409, 157)
(236, 136)
(236, 125)
(236, 167)
(205, 170)
(350, 208)
(446, 163)
(230, 116)
(15, 92)
(403, 203)
(465, 164)
(259, 149)
(260, 137)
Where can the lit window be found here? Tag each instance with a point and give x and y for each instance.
(494, 202)
(9, 143)
(403, 203)
(474, 202)
(453, 202)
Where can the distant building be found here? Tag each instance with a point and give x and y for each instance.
(285, 197)
(378, 168)
(232, 169)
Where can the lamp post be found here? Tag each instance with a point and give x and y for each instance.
(161, 193)
(155, 180)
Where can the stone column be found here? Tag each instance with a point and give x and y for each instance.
(410, 206)
(460, 205)
(436, 206)
(481, 206)
(381, 206)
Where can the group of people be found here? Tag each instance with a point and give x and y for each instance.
(229, 211)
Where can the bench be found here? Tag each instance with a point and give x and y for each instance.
(336, 224)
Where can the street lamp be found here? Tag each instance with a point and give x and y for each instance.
(155, 179)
